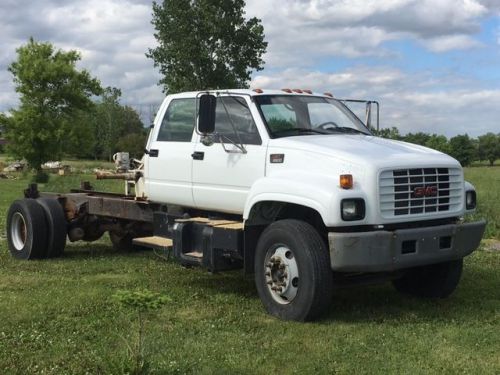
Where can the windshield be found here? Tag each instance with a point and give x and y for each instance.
(291, 115)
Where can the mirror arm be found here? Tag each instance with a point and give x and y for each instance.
(240, 147)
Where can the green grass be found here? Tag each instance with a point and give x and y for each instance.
(57, 316)
(487, 183)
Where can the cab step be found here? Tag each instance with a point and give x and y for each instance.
(153, 242)
(215, 244)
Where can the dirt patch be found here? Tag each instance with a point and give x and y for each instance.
(491, 245)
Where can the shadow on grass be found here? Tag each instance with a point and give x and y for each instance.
(476, 295)
(79, 251)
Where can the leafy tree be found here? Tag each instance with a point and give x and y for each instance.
(489, 147)
(205, 44)
(462, 148)
(419, 138)
(133, 143)
(439, 143)
(51, 91)
(106, 129)
(390, 133)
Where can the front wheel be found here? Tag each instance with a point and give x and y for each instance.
(292, 271)
(433, 281)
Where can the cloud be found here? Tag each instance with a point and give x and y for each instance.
(355, 28)
(305, 38)
(450, 43)
(410, 102)
(112, 37)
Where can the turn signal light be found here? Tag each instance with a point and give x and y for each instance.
(258, 91)
(346, 181)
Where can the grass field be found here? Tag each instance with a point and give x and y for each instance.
(58, 317)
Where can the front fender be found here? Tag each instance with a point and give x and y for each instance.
(315, 191)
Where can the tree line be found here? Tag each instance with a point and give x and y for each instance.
(462, 147)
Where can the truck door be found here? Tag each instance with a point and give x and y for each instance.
(222, 179)
(169, 163)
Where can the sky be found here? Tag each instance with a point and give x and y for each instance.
(434, 65)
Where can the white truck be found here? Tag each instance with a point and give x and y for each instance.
(287, 184)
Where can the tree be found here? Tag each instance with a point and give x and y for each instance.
(390, 133)
(462, 148)
(439, 143)
(51, 91)
(133, 143)
(489, 147)
(205, 44)
(419, 138)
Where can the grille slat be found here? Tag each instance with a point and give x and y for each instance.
(420, 191)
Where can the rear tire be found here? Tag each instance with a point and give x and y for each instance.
(27, 230)
(433, 281)
(57, 226)
(292, 271)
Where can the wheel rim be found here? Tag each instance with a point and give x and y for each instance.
(18, 231)
(282, 274)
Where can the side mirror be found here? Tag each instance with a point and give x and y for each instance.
(206, 114)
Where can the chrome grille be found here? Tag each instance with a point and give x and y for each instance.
(420, 191)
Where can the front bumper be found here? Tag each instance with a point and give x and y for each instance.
(379, 251)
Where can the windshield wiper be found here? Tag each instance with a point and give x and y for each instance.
(346, 129)
(299, 130)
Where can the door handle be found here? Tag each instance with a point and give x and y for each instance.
(198, 155)
(153, 153)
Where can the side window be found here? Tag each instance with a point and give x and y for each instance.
(178, 123)
(239, 113)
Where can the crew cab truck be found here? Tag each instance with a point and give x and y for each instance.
(286, 184)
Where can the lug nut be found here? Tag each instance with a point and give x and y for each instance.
(269, 265)
(269, 282)
(282, 266)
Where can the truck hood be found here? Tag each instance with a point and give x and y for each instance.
(365, 150)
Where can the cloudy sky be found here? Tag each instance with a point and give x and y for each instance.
(434, 65)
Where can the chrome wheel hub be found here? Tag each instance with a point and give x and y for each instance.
(282, 275)
(18, 231)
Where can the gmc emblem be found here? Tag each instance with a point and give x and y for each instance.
(425, 191)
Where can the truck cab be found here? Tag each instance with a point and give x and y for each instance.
(377, 206)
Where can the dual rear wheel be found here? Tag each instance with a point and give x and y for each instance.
(36, 229)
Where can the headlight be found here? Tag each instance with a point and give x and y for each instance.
(352, 209)
(470, 199)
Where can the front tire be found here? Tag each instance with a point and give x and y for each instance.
(433, 281)
(292, 271)
(26, 230)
